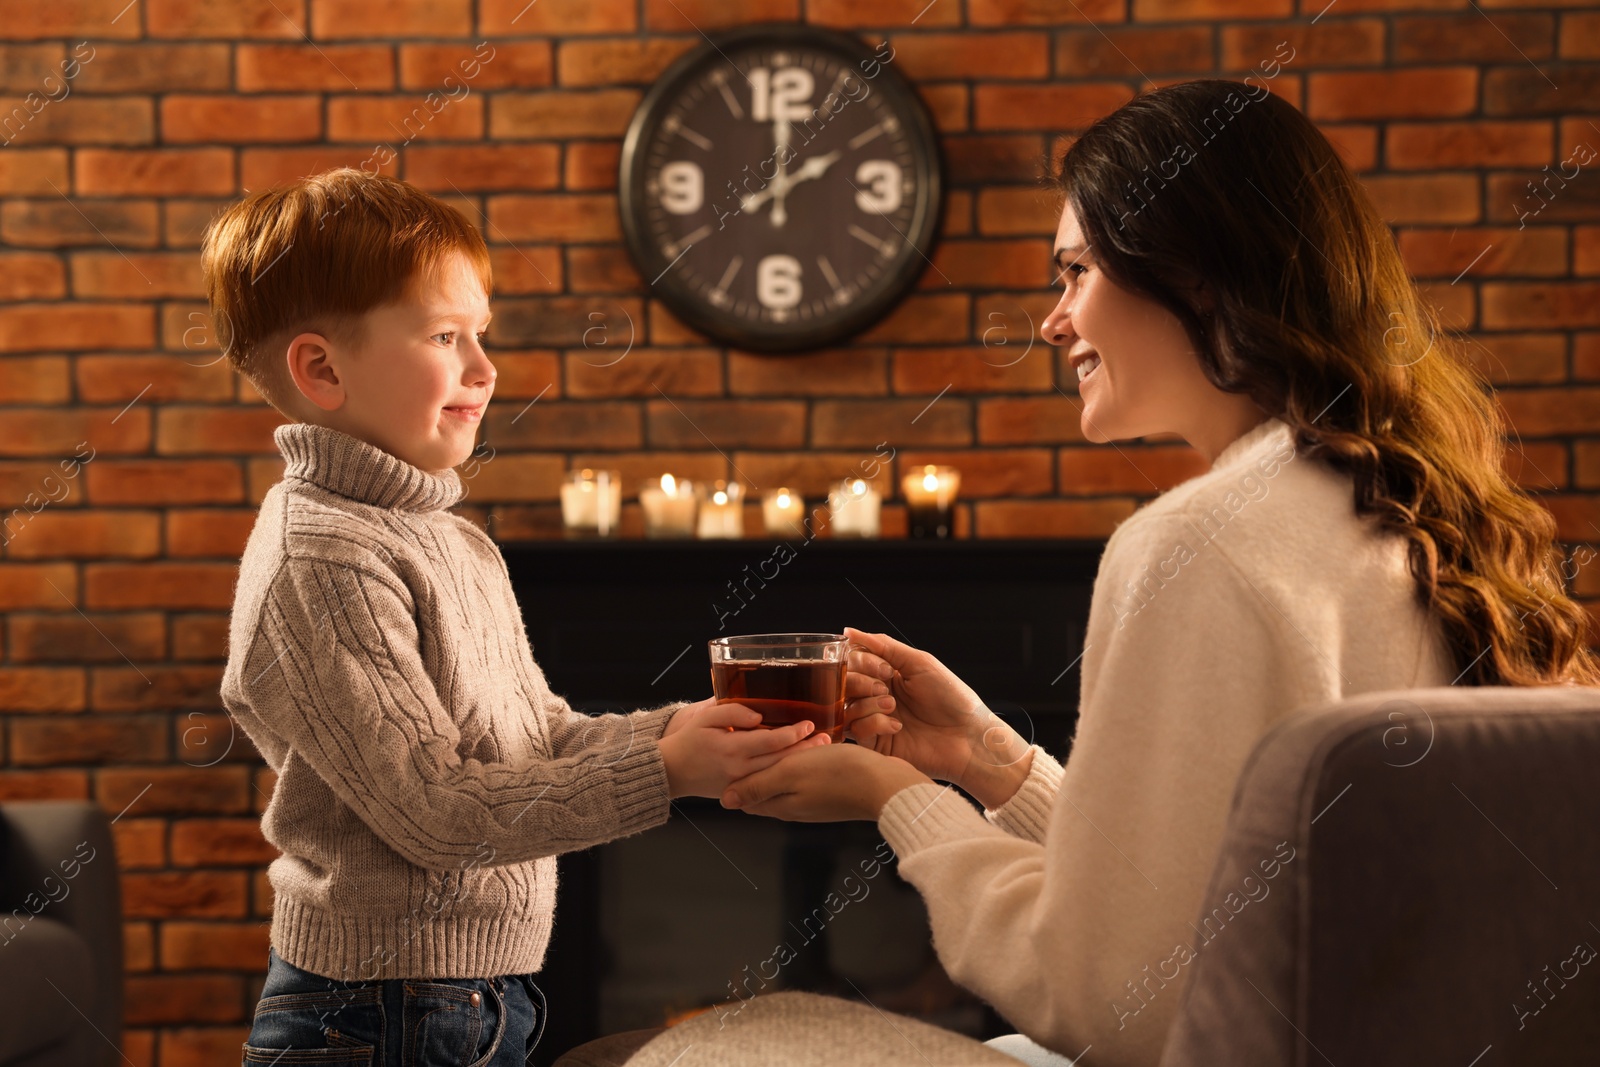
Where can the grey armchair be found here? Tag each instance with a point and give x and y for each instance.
(60, 937)
(1443, 905)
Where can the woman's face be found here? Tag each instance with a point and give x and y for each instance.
(1148, 378)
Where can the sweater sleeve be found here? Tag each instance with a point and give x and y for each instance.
(1055, 921)
(336, 670)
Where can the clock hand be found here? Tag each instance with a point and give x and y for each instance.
(815, 167)
(780, 141)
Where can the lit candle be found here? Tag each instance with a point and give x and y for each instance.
(591, 503)
(669, 508)
(856, 507)
(781, 512)
(722, 511)
(931, 493)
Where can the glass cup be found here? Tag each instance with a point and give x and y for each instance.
(785, 677)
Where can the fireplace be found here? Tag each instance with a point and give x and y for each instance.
(718, 906)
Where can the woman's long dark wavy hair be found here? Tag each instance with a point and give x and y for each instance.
(1313, 315)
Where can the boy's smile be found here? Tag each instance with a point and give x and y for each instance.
(418, 382)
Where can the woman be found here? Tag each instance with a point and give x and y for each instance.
(1224, 278)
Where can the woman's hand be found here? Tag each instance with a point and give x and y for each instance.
(828, 783)
(940, 726)
(708, 745)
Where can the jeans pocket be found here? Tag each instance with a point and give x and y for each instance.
(447, 1022)
(336, 1026)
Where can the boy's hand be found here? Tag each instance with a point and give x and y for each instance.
(708, 745)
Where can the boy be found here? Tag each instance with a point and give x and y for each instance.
(427, 775)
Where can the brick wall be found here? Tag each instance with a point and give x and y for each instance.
(115, 590)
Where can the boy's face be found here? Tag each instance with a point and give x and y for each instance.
(418, 384)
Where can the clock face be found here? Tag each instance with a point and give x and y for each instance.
(780, 187)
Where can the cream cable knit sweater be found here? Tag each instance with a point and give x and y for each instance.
(427, 775)
(1219, 607)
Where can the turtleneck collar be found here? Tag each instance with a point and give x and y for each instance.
(1246, 441)
(360, 470)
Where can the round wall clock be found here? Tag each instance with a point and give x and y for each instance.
(780, 187)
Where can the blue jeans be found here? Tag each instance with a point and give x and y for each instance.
(304, 1018)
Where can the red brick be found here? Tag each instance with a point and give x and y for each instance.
(263, 167)
(182, 999)
(1089, 519)
(931, 318)
(666, 329)
(526, 375)
(1456, 304)
(43, 785)
(1351, 7)
(530, 116)
(213, 532)
(967, 55)
(591, 165)
(673, 423)
(701, 15)
(154, 379)
(1419, 199)
(332, 19)
(1033, 420)
(213, 946)
(607, 324)
(586, 64)
(835, 372)
(811, 473)
(141, 844)
(555, 217)
(1513, 305)
(219, 843)
(948, 104)
(1043, 12)
(481, 168)
(976, 369)
(1436, 146)
(509, 476)
(1335, 43)
(31, 276)
(1520, 358)
(35, 379)
(365, 68)
(1577, 515)
(155, 172)
(1357, 145)
(1550, 412)
(78, 638)
(602, 269)
(198, 430)
(401, 119)
(25, 21)
(40, 688)
(1437, 92)
(159, 585)
(80, 534)
(989, 264)
(1540, 197)
(57, 223)
(111, 275)
(1020, 209)
(1046, 107)
(1484, 251)
(517, 18)
(1124, 51)
(42, 741)
(177, 790)
(992, 158)
(240, 119)
(524, 269)
(1580, 34)
(202, 637)
(1473, 38)
(138, 947)
(154, 687)
(992, 472)
(920, 13)
(30, 327)
(33, 171)
(208, 739)
(89, 120)
(1128, 469)
(676, 372)
(500, 65)
(568, 426)
(935, 421)
(246, 18)
(1586, 456)
(1185, 10)
(1537, 466)
(156, 482)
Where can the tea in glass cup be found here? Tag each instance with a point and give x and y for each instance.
(785, 677)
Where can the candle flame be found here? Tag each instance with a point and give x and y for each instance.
(669, 485)
(858, 487)
(720, 497)
(783, 498)
(930, 482)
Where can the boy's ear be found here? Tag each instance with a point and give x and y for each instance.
(314, 368)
